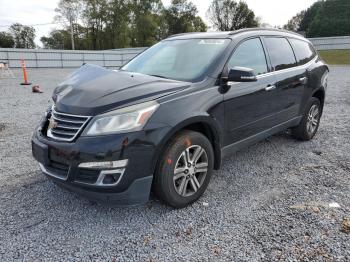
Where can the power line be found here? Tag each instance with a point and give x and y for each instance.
(31, 25)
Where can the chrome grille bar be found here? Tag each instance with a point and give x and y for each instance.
(68, 121)
(62, 132)
(65, 127)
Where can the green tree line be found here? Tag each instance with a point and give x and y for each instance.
(109, 24)
(324, 18)
(18, 36)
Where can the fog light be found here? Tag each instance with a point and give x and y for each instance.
(110, 179)
(104, 164)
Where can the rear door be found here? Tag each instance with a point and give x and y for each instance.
(290, 80)
(304, 53)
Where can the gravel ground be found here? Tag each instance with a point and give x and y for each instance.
(268, 202)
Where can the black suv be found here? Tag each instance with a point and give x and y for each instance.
(164, 121)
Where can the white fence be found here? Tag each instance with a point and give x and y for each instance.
(331, 43)
(39, 58)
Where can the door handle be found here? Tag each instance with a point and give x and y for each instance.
(303, 80)
(270, 87)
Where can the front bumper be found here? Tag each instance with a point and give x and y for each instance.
(137, 150)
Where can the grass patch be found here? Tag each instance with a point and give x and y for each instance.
(336, 57)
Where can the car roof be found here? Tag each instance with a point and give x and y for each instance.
(238, 33)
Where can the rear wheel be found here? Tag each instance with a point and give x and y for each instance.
(185, 169)
(310, 122)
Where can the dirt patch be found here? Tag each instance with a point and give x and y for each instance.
(345, 226)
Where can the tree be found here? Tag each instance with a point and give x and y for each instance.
(68, 13)
(118, 24)
(331, 19)
(309, 15)
(294, 23)
(23, 36)
(109, 24)
(322, 19)
(181, 17)
(198, 25)
(95, 16)
(145, 21)
(229, 15)
(58, 39)
(6, 40)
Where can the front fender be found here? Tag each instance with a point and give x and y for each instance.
(211, 126)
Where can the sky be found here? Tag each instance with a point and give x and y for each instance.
(30, 12)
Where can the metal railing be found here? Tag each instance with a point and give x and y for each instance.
(44, 58)
(331, 43)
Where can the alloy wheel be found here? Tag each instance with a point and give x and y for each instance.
(190, 170)
(313, 118)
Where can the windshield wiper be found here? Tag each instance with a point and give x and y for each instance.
(159, 76)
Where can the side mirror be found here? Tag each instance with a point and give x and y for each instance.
(241, 74)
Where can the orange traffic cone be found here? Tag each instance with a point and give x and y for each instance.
(24, 73)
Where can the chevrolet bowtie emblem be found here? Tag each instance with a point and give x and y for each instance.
(52, 123)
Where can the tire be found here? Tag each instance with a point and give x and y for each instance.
(310, 122)
(192, 177)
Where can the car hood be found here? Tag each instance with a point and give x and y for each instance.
(92, 90)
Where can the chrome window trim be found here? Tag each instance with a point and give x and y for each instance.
(288, 69)
(279, 71)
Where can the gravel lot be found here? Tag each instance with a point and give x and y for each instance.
(268, 202)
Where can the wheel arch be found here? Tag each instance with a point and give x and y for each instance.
(320, 94)
(202, 124)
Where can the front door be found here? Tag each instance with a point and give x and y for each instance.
(249, 106)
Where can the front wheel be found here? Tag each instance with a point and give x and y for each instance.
(310, 122)
(185, 169)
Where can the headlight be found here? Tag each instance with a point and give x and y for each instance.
(127, 119)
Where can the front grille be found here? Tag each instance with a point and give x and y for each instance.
(65, 127)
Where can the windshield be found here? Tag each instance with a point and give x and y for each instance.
(184, 60)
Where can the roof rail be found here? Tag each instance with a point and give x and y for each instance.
(262, 28)
(184, 34)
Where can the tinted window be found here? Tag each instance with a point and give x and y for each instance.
(281, 53)
(250, 54)
(303, 51)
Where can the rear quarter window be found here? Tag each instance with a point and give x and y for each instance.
(304, 52)
(280, 52)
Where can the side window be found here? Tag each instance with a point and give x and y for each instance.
(303, 51)
(250, 54)
(281, 53)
